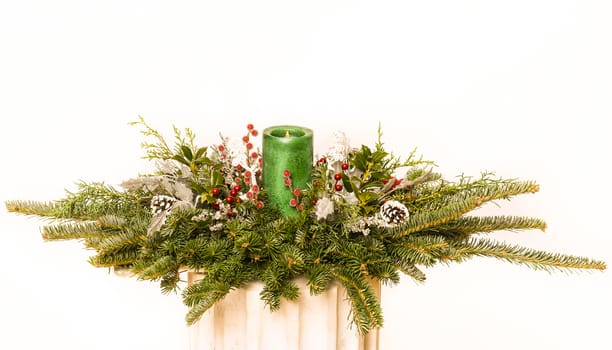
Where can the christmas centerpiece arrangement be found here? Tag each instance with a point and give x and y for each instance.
(236, 214)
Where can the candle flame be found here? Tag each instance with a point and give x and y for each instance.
(287, 134)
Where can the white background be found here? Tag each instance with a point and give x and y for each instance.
(522, 88)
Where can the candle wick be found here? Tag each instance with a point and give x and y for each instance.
(287, 134)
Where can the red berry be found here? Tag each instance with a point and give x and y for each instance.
(397, 182)
(323, 160)
(247, 174)
(385, 181)
(239, 167)
(293, 202)
(221, 148)
(229, 199)
(345, 166)
(254, 132)
(255, 188)
(288, 181)
(229, 212)
(250, 126)
(249, 195)
(237, 188)
(215, 206)
(300, 207)
(245, 139)
(314, 201)
(286, 173)
(233, 193)
(338, 187)
(260, 205)
(338, 176)
(297, 192)
(215, 191)
(254, 155)
(249, 146)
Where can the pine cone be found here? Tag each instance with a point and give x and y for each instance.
(393, 212)
(161, 203)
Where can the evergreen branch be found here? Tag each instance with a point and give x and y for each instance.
(95, 200)
(116, 258)
(36, 208)
(201, 296)
(159, 268)
(462, 204)
(411, 270)
(366, 310)
(169, 282)
(467, 225)
(421, 250)
(384, 272)
(125, 240)
(113, 222)
(73, 230)
(538, 260)
(425, 220)
(319, 276)
(273, 278)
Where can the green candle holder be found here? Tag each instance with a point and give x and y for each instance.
(286, 147)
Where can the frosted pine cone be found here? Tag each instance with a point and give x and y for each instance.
(161, 203)
(393, 212)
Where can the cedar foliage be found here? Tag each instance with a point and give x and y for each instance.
(255, 243)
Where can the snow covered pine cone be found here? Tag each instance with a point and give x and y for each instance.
(393, 212)
(161, 203)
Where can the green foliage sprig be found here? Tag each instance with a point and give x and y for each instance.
(367, 217)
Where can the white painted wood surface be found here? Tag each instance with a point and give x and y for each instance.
(242, 322)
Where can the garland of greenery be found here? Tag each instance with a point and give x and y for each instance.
(366, 215)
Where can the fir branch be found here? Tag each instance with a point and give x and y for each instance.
(124, 240)
(383, 271)
(479, 224)
(536, 259)
(95, 200)
(36, 208)
(424, 220)
(116, 258)
(421, 250)
(74, 230)
(159, 268)
(319, 276)
(113, 222)
(410, 270)
(467, 225)
(365, 306)
(202, 295)
(170, 282)
(464, 202)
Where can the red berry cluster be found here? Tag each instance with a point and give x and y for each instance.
(241, 178)
(252, 155)
(338, 177)
(295, 201)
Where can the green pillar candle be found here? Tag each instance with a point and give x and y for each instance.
(286, 147)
